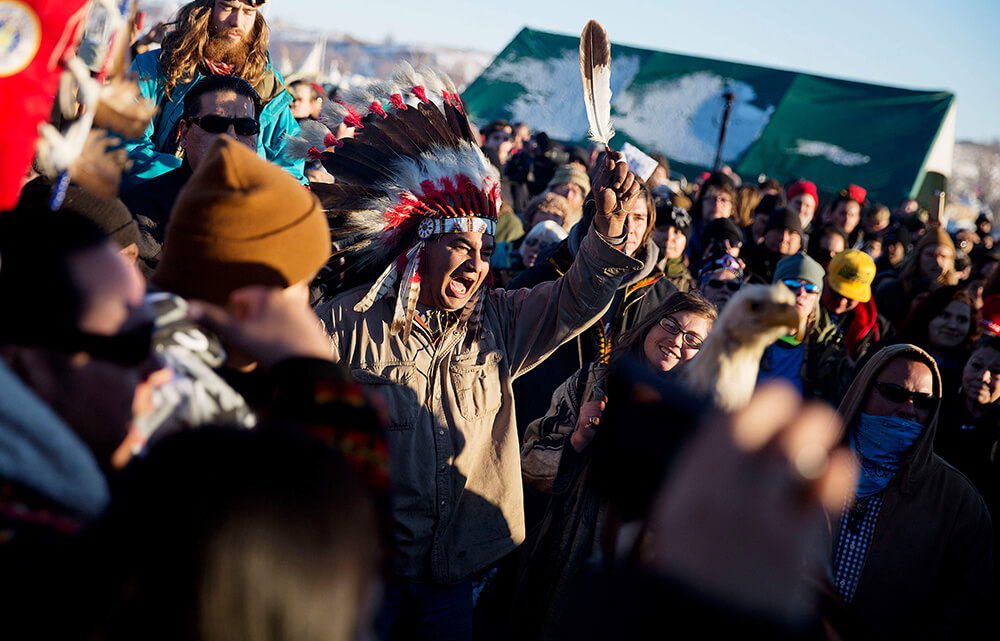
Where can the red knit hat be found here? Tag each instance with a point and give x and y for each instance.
(856, 193)
(803, 187)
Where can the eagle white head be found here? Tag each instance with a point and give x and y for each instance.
(726, 366)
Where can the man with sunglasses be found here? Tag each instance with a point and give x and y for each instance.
(787, 358)
(74, 358)
(911, 556)
(209, 38)
(720, 278)
(216, 106)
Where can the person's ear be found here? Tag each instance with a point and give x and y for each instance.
(130, 252)
(182, 131)
(245, 303)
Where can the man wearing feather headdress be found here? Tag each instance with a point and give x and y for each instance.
(210, 37)
(413, 214)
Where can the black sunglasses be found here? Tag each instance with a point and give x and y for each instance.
(731, 284)
(214, 124)
(899, 394)
(129, 348)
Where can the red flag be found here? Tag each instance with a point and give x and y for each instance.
(34, 37)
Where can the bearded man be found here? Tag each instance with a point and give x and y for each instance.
(210, 37)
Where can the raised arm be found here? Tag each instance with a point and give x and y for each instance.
(539, 320)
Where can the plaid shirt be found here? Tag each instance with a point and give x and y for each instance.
(856, 528)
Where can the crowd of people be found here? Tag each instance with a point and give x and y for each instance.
(343, 364)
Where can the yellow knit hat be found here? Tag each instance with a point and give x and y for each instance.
(240, 221)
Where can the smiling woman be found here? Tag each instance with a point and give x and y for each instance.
(556, 454)
(667, 338)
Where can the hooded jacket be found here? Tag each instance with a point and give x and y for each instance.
(152, 154)
(928, 571)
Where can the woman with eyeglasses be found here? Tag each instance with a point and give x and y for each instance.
(787, 358)
(556, 456)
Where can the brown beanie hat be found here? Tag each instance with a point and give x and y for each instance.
(571, 174)
(240, 221)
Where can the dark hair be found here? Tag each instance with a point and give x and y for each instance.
(718, 180)
(265, 535)
(630, 343)
(766, 183)
(986, 341)
(915, 329)
(36, 280)
(314, 93)
(216, 84)
(826, 231)
(496, 125)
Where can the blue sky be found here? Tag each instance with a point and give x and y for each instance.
(921, 44)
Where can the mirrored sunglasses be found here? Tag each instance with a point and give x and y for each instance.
(795, 285)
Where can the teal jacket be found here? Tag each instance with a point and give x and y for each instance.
(152, 154)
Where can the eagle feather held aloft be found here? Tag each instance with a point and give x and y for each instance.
(595, 71)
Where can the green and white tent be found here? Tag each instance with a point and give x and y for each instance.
(894, 142)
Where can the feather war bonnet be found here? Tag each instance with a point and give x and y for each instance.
(412, 171)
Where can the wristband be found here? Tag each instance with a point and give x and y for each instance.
(616, 241)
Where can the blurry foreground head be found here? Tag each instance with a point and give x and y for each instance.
(265, 536)
(241, 221)
(74, 329)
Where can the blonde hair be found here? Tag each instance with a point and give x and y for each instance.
(184, 47)
(747, 199)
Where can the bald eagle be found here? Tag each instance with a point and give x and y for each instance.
(726, 365)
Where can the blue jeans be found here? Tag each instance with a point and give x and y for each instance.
(432, 612)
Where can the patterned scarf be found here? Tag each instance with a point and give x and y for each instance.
(880, 442)
(219, 68)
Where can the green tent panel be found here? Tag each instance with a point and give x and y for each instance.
(784, 124)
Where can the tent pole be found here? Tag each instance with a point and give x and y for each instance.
(729, 97)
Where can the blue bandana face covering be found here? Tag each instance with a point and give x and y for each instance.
(879, 442)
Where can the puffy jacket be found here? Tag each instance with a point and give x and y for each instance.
(152, 154)
(457, 503)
